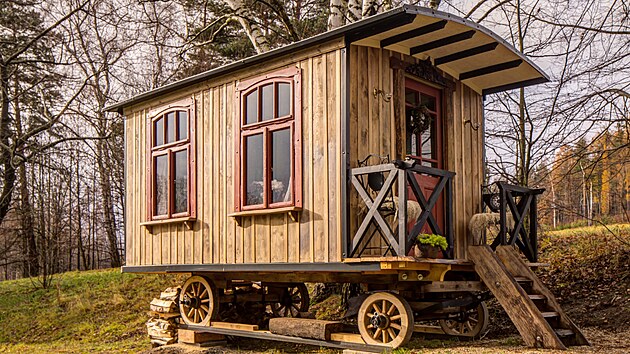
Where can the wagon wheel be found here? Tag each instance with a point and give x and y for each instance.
(471, 323)
(385, 319)
(198, 301)
(293, 300)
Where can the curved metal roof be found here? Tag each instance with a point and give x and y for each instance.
(463, 49)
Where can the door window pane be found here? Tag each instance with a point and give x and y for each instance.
(411, 97)
(267, 102)
(170, 127)
(182, 125)
(254, 169)
(284, 99)
(161, 185)
(251, 107)
(180, 193)
(159, 132)
(280, 165)
(428, 102)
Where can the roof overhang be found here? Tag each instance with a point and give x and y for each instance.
(464, 49)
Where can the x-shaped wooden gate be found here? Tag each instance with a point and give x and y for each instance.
(404, 173)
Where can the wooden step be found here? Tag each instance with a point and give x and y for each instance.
(535, 297)
(561, 332)
(537, 265)
(522, 280)
(549, 314)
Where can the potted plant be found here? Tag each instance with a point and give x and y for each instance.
(430, 246)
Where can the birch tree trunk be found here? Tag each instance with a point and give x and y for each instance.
(354, 11)
(370, 8)
(336, 17)
(245, 17)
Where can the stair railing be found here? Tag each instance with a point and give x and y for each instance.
(521, 203)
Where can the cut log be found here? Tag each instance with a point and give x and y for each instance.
(170, 294)
(192, 337)
(164, 306)
(305, 328)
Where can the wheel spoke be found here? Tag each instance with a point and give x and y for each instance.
(205, 308)
(203, 301)
(395, 318)
(470, 328)
(375, 306)
(204, 292)
(391, 310)
(189, 314)
(384, 333)
(461, 327)
(472, 319)
(391, 333)
(395, 325)
(370, 326)
(297, 310)
(377, 333)
(384, 308)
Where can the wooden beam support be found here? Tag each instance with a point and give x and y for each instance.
(466, 53)
(442, 42)
(515, 85)
(417, 32)
(490, 69)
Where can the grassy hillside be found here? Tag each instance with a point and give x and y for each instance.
(95, 311)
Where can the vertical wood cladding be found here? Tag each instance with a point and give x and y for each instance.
(376, 126)
(216, 237)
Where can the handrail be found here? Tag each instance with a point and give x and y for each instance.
(399, 240)
(524, 213)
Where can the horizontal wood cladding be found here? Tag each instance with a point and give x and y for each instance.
(377, 127)
(215, 237)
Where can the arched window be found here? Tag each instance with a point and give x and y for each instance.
(269, 147)
(171, 164)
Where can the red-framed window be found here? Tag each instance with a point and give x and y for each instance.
(171, 176)
(269, 148)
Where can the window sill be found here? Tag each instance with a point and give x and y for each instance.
(292, 211)
(187, 220)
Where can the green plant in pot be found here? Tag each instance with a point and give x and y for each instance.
(430, 246)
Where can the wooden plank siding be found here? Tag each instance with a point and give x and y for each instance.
(217, 238)
(377, 127)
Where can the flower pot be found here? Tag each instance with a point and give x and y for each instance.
(426, 251)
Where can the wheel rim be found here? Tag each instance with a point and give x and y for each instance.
(198, 301)
(471, 323)
(385, 319)
(293, 300)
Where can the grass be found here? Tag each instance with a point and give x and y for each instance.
(583, 244)
(94, 311)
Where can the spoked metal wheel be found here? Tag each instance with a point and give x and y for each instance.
(471, 323)
(198, 301)
(385, 319)
(293, 300)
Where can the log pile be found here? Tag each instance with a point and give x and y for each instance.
(162, 326)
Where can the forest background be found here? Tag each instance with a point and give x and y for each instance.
(62, 62)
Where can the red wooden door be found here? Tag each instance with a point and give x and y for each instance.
(424, 142)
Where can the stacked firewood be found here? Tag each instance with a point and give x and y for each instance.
(162, 326)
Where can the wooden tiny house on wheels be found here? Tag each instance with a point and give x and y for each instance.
(322, 161)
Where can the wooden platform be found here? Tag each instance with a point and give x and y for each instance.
(338, 340)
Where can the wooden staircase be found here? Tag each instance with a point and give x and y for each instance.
(531, 306)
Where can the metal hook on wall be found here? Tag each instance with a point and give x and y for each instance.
(386, 96)
(474, 126)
